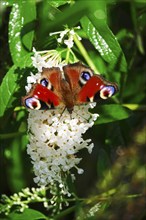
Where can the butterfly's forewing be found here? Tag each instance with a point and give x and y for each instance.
(73, 74)
(97, 88)
(46, 93)
(87, 86)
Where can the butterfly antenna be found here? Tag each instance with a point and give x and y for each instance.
(62, 113)
(87, 120)
(59, 117)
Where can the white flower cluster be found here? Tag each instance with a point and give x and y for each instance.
(32, 79)
(47, 59)
(55, 138)
(70, 34)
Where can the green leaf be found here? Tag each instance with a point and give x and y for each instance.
(10, 84)
(15, 171)
(105, 42)
(57, 3)
(111, 112)
(27, 214)
(19, 16)
(7, 89)
(26, 61)
(70, 16)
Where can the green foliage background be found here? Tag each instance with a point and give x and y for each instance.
(114, 173)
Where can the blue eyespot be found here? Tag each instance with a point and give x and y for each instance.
(44, 82)
(32, 103)
(107, 92)
(86, 76)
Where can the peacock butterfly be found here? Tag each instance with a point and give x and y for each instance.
(76, 84)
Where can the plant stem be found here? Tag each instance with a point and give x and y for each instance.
(67, 55)
(135, 107)
(11, 135)
(65, 212)
(85, 54)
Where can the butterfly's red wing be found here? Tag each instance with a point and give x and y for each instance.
(46, 93)
(73, 74)
(86, 86)
(90, 89)
(97, 88)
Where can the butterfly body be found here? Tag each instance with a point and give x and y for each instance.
(75, 85)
